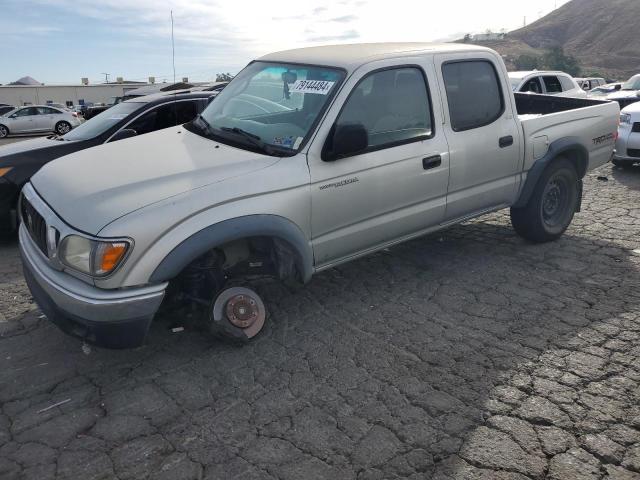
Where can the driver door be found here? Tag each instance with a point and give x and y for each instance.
(397, 186)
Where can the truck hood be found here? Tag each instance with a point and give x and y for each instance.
(28, 145)
(94, 187)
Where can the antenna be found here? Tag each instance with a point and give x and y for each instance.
(173, 60)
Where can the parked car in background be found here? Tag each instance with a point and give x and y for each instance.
(546, 83)
(80, 109)
(307, 159)
(604, 90)
(98, 108)
(629, 92)
(37, 119)
(19, 161)
(628, 143)
(6, 109)
(60, 106)
(590, 83)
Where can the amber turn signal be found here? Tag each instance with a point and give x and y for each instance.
(109, 255)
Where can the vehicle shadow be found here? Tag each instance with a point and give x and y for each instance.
(629, 176)
(385, 364)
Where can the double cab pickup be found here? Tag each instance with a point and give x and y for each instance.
(307, 159)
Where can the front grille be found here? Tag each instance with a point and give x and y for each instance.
(636, 127)
(633, 152)
(35, 224)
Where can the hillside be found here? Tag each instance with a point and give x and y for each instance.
(603, 35)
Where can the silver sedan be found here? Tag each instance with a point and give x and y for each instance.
(38, 118)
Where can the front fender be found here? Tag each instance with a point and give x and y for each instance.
(234, 229)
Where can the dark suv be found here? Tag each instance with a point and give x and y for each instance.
(20, 160)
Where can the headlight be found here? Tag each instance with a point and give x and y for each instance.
(93, 257)
(625, 118)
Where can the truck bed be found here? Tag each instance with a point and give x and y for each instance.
(533, 104)
(546, 118)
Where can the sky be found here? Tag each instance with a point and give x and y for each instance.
(61, 41)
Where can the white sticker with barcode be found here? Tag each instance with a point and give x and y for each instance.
(321, 87)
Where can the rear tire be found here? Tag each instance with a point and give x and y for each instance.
(62, 128)
(554, 201)
(4, 131)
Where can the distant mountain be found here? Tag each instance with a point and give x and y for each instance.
(604, 35)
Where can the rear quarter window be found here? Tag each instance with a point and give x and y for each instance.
(567, 83)
(474, 94)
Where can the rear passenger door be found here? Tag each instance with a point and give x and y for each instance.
(395, 187)
(483, 137)
(47, 117)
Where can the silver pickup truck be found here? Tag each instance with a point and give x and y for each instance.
(309, 158)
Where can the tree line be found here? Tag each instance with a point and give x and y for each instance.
(552, 59)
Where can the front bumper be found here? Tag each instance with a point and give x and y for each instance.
(107, 318)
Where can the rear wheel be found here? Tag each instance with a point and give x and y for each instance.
(62, 128)
(4, 131)
(554, 201)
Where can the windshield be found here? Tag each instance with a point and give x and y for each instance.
(271, 107)
(632, 84)
(102, 122)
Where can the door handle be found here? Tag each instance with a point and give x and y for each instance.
(431, 162)
(505, 141)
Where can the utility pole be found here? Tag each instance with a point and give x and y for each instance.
(106, 77)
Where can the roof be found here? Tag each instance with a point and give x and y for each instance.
(178, 95)
(351, 56)
(522, 74)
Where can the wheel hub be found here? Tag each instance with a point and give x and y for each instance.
(554, 201)
(242, 311)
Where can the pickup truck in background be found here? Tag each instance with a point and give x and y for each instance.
(307, 159)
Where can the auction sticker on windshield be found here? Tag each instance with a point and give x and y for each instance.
(320, 87)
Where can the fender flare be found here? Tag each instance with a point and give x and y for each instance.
(579, 153)
(234, 229)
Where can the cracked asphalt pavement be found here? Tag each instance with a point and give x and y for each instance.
(469, 354)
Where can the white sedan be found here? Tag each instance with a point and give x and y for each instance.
(36, 119)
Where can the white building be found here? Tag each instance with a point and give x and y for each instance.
(19, 95)
(485, 37)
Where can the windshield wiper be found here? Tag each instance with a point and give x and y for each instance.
(256, 141)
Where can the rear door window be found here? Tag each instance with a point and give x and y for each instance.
(474, 94)
(552, 84)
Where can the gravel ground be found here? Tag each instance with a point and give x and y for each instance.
(469, 354)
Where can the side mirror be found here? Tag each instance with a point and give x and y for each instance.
(124, 133)
(348, 139)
